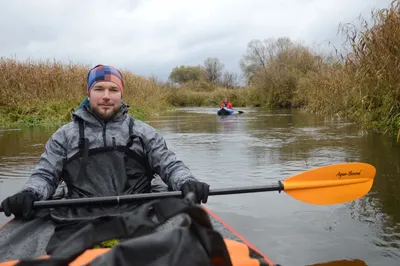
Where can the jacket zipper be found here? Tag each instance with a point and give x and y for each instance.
(104, 134)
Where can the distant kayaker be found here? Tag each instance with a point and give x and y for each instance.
(226, 103)
(103, 152)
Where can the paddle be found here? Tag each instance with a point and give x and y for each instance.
(212, 101)
(331, 184)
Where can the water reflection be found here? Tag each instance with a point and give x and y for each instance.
(19, 151)
(381, 209)
(261, 147)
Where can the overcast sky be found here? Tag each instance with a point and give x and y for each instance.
(150, 37)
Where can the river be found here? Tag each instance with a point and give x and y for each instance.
(261, 147)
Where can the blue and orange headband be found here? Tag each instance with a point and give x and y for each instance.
(104, 73)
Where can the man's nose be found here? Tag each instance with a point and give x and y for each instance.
(106, 94)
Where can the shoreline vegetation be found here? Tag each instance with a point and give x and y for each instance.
(360, 84)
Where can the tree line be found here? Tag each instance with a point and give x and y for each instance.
(212, 71)
(254, 63)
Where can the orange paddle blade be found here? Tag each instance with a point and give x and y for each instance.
(331, 184)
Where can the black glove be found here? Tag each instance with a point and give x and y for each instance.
(20, 205)
(199, 189)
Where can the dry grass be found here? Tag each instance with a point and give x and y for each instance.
(365, 86)
(43, 92)
(362, 84)
(373, 66)
(36, 82)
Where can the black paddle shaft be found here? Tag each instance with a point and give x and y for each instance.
(212, 101)
(145, 196)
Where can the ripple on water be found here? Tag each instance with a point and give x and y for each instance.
(17, 167)
(15, 172)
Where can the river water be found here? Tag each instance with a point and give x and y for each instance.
(261, 147)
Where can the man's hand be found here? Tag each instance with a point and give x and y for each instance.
(20, 205)
(200, 190)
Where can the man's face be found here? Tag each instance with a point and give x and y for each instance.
(105, 99)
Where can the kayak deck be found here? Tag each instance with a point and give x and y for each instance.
(15, 245)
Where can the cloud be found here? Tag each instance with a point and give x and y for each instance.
(153, 36)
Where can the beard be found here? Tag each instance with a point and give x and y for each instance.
(105, 114)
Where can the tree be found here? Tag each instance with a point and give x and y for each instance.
(259, 53)
(229, 80)
(213, 70)
(185, 74)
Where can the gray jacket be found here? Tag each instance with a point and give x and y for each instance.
(64, 143)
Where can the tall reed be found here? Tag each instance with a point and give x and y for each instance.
(37, 92)
(362, 83)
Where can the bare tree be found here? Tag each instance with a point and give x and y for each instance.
(259, 53)
(213, 69)
(256, 57)
(229, 80)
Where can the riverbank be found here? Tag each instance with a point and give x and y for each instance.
(53, 113)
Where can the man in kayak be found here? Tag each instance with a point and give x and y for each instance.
(103, 152)
(226, 103)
